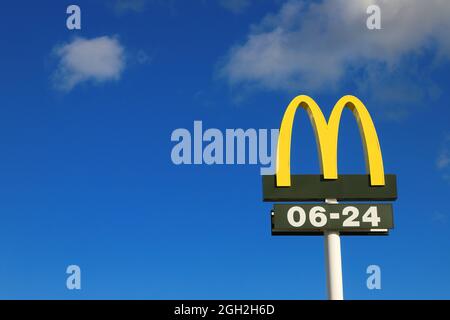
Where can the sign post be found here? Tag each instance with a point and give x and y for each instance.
(333, 262)
(331, 219)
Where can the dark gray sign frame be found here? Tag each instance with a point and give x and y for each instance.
(281, 226)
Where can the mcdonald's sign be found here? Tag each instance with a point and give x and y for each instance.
(284, 186)
(331, 218)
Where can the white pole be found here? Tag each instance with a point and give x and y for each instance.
(333, 263)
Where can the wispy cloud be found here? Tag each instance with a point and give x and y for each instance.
(440, 217)
(123, 6)
(443, 159)
(97, 60)
(142, 57)
(321, 45)
(235, 6)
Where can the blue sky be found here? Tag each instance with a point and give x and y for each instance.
(86, 118)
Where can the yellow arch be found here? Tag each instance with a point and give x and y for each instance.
(327, 139)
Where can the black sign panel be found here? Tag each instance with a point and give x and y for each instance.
(312, 187)
(348, 219)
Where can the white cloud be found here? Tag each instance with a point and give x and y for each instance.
(235, 6)
(99, 60)
(313, 46)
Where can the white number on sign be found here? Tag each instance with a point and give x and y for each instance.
(350, 221)
(301, 216)
(317, 216)
(371, 216)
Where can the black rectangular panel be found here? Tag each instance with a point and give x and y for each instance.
(314, 219)
(311, 187)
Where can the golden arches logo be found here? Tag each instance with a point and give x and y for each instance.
(327, 139)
